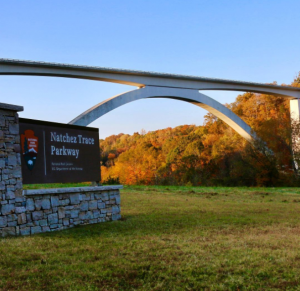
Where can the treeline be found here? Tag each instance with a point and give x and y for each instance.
(212, 154)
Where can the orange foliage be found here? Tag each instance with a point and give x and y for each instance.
(212, 154)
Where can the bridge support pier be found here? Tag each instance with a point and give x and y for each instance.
(295, 109)
(295, 133)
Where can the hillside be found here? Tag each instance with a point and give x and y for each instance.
(212, 154)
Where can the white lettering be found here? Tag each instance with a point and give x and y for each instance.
(64, 151)
(53, 135)
(63, 138)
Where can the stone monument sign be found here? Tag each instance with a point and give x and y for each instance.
(58, 153)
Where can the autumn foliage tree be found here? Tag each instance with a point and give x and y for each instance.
(212, 154)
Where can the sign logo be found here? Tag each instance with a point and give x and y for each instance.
(29, 144)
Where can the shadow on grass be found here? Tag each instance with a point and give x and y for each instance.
(164, 224)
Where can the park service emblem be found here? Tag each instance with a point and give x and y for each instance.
(29, 144)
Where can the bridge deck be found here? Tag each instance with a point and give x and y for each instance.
(139, 78)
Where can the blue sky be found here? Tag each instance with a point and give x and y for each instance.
(239, 39)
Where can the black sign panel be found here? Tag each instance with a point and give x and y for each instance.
(58, 153)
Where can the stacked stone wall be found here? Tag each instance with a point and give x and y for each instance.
(57, 209)
(10, 163)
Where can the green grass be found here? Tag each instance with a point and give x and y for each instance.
(169, 238)
(57, 185)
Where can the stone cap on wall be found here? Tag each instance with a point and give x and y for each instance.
(70, 190)
(11, 107)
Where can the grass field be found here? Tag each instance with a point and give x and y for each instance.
(169, 238)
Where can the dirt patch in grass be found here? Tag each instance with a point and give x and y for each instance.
(260, 193)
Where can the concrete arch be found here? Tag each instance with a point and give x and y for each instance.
(191, 96)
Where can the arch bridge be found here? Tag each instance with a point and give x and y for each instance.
(154, 85)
